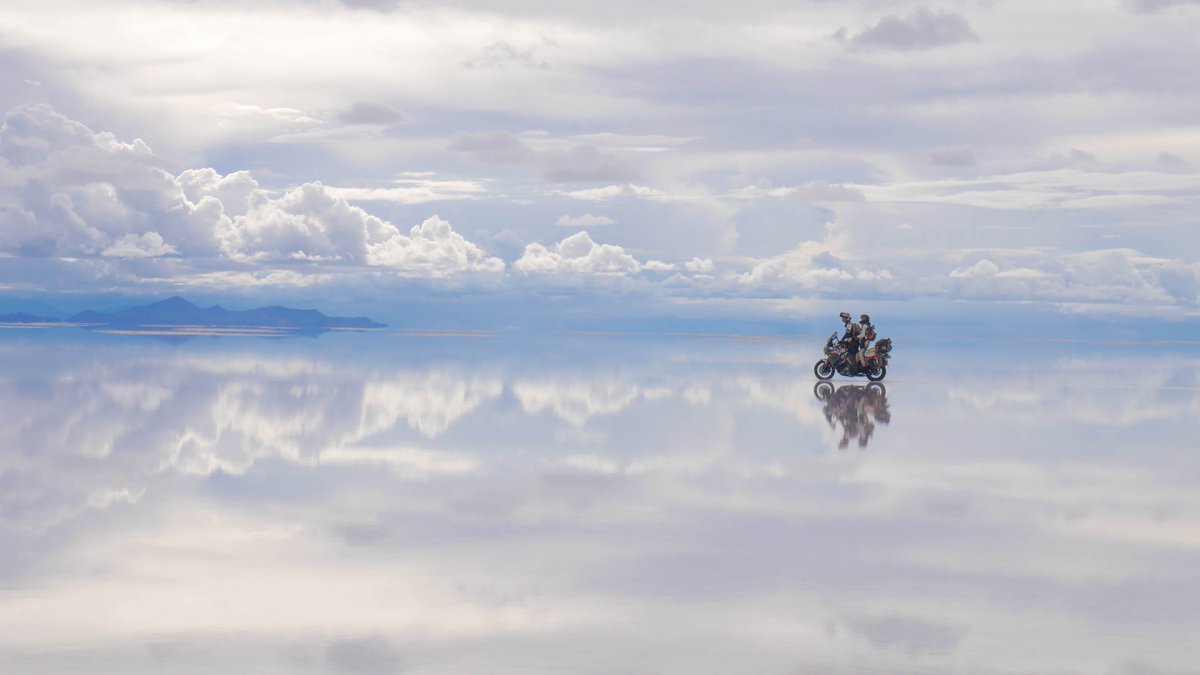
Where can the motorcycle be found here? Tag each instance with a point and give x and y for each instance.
(837, 360)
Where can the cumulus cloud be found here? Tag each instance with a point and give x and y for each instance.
(1099, 276)
(983, 268)
(577, 254)
(586, 220)
(432, 248)
(922, 29)
(67, 191)
(813, 266)
(148, 245)
(699, 265)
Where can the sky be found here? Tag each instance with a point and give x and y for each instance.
(701, 157)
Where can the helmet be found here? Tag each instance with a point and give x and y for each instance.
(864, 319)
(845, 317)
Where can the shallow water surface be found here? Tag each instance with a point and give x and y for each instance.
(384, 504)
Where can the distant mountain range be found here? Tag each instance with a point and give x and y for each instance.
(176, 311)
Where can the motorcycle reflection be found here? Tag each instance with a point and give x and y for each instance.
(856, 407)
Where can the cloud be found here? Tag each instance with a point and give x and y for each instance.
(813, 266)
(70, 192)
(377, 5)
(913, 636)
(922, 29)
(1078, 156)
(431, 249)
(493, 147)
(699, 265)
(586, 220)
(148, 245)
(1151, 6)
(812, 191)
(367, 112)
(501, 55)
(1031, 191)
(1098, 276)
(584, 163)
(983, 268)
(373, 655)
(575, 163)
(956, 156)
(608, 192)
(414, 191)
(577, 254)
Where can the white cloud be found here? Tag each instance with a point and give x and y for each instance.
(812, 265)
(813, 191)
(608, 192)
(69, 191)
(699, 265)
(983, 268)
(1063, 188)
(148, 245)
(433, 249)
(414, 191)
(558, 162)
(586, 220)
(1099, 276)
(577, 254)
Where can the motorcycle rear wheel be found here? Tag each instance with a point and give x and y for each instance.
(823, 370)
(877, 374)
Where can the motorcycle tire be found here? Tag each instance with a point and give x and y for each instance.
(823, 370)
(822, 390)
(877, 374)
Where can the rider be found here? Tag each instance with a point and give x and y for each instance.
(866, 333)
(852, 338)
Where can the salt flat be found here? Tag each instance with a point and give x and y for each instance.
(377, 503)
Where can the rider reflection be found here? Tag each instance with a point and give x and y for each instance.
(856, 408)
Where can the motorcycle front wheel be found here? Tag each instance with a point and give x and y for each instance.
(823, 370)
(877, 373)
(822, 390)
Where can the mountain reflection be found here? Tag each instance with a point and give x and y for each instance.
(856, 408)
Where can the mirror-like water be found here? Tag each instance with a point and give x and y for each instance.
(377, 504)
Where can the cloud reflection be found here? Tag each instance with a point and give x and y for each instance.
(283, 509)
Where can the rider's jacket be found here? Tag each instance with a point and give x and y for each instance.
(853, 334)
